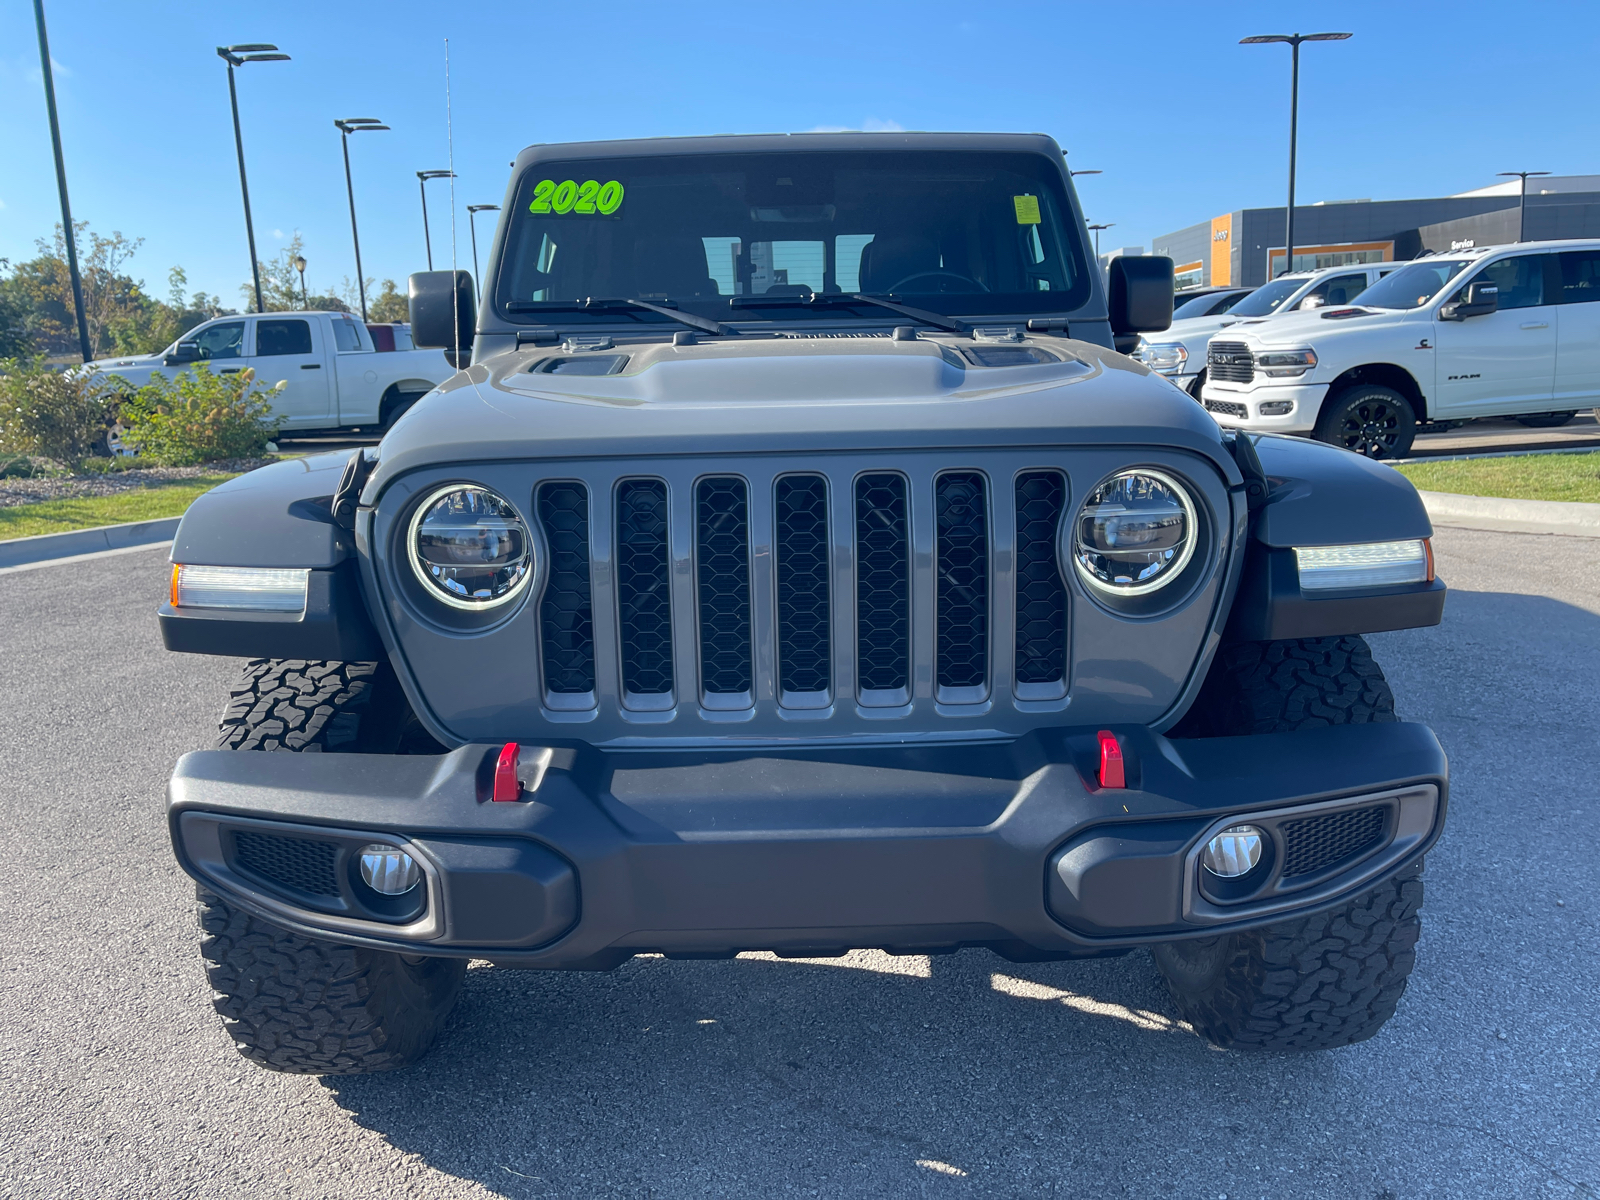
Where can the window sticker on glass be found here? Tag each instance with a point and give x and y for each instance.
(567, 196)
(1027, 209)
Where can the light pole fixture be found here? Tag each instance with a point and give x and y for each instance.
(61, 182)
(300, 265)
(1096, 229)
(1294, 40)
(346, 126)
(1070, 171)
(472, 212)
(1522, 204)
(422, 186)
(237, 56)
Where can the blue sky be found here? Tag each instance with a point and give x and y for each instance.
(1427, 99)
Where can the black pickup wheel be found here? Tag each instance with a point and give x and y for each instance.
(1320, 981)
(293, 1003)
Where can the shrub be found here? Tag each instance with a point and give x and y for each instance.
(200, 417)
(59, 415)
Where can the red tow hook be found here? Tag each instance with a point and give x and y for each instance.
(508, 787)
(1111, 773)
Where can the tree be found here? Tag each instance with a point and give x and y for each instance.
(391, 305)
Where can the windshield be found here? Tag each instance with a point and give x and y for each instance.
(1198, 307)
(1265, 299)
(1412, 286)
(950, 231)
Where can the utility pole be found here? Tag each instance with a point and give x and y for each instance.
(1294, 40)
(237, 56)
(61, 184)
(1522, 204)
(346, 127)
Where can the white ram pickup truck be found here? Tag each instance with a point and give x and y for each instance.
(1498, 331)
(334, 375)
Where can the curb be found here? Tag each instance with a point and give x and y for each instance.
(47, 546)
(1512, 516)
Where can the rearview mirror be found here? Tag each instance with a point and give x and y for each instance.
(183, 352)
(1482, 298)
(444, 313)
(1140, 288)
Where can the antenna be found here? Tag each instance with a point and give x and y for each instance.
(450, 154)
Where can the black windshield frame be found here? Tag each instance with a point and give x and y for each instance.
(842, 199)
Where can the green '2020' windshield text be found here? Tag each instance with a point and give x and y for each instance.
(587, 197)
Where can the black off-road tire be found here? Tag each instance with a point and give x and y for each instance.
(1323, 981)
(306, 1007)
(1374, 421)
(1320, 981)
(298, 1004)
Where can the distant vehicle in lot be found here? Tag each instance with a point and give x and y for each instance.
(1179, 352)
(832, 582)
(335, 375)
(1206, 302)
(1498, 331)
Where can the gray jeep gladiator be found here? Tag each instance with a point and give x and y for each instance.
(794, 564)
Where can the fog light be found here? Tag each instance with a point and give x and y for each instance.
(1276, 408)
(1233, 852)
(388, 871)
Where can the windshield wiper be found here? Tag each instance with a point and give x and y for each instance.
(623, 304)
(835, 299)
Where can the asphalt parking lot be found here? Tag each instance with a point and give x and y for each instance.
(960, 1075)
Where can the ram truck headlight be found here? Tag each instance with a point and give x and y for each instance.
(470, 548)
(1370, 564)
(251, 589)
(1134, 534)
(1286, 364)
(1163, 356)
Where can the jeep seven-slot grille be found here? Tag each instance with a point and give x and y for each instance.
(1230, 362)
(567, 608)
(805, 644)
(761, 563)
(883, 583)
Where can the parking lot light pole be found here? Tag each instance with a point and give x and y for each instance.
(1522, 204)
(1294, 40)
(472, 213)
(1096, 229)
(422, 186)
(237, 56)
(346, 127)
(61, 182)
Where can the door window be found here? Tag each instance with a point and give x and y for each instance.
(1340, 289)
(283, 337)
(221, 341)
(1580, 277)
(1520, 279)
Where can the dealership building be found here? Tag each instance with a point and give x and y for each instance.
(1245, 248)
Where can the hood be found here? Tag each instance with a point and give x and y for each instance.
(125, 362)
(1300, 328)
(1190, 327)
(794, 395)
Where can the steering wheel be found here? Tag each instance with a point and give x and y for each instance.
(964, 283)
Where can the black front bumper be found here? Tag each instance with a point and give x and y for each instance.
(911, 849)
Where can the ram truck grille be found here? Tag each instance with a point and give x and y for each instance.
(1230, 362)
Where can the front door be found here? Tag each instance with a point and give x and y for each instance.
(288, 349)
(1504, 362)
(1578, 335)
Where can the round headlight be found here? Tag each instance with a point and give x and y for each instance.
(1135, 533)
(470, 548)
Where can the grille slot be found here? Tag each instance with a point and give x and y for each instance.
(566, 612)
(644, 600)
(805, 644)
(1041, 670)
(300, 864)
(883, 585)
(962, 585)
(722, 534)
(1312, 845)
(1230, 362)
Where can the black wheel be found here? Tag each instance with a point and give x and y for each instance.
(297, 1004)
(1551, 420)
(1375, 421)
(1320, 981)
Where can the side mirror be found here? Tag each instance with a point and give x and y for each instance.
(444, 313)
(1482, 298)
(1140, 288)
(1312, 302)
(183, 352)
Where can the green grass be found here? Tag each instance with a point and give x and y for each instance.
(1527, 477)
(144, 504)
